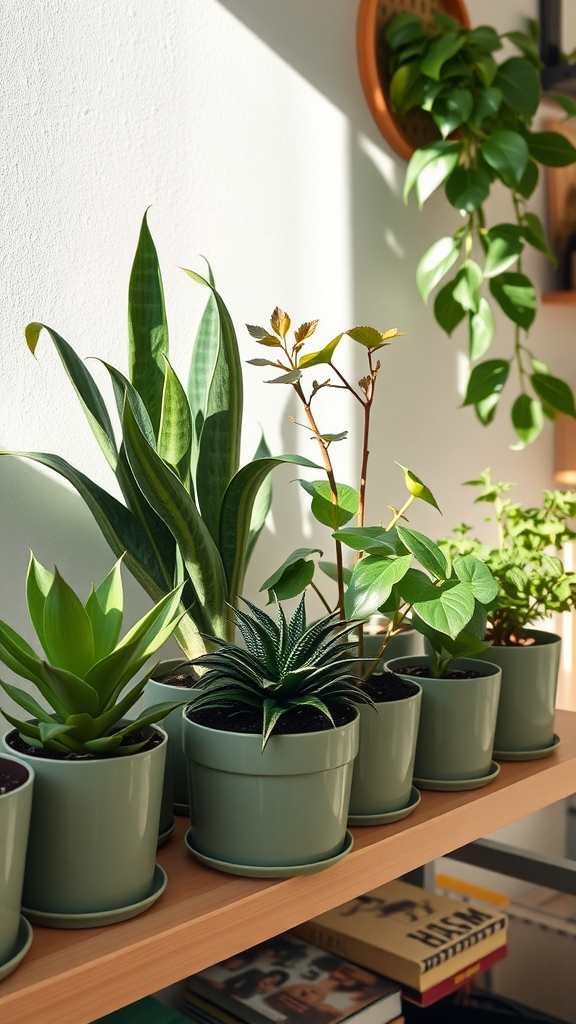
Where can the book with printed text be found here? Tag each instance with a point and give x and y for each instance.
(417, 937)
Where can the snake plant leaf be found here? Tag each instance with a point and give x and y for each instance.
(68, 638)
(17, 654)
(113, 672)
(147, 326)
(27, 729)
(219, 445)
(84, 386)
(38, 583)
(105, 608)
(82, 727)
(117, 711)
(175, 435)
(154, 628)
(171, 501)
(202, 365)
(236, 515)
(150, 716)
(26, 701)
(262, 501)
(77, 696)
(120, 527)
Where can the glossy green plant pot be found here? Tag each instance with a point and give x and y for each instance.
(528, 693)
(175, 796)
(93, 831)
(384, 766)
(457, 721)
(15, 808)
(285, 805)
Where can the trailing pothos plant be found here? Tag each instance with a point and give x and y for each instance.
(483, 111)
(450, 599)
(532, 581)
(191, 515)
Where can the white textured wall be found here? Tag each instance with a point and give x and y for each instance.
(243, 123)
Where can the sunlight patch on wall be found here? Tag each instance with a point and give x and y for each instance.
(385, 164)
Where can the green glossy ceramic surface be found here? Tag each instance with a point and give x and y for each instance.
(93, 831)
(176, 777)
(15, 809)
(384, 766)
(457, 721)
(285, 805)
(528, 693)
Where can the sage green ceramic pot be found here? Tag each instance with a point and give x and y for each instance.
(457, 721)
(15, 808)
(175, 797)
(384, 766)
(404, 645)
(93, 830)
(528, 693)
(285, 805)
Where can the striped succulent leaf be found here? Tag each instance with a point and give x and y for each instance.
(283, 665)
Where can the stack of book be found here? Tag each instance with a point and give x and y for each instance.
(354, 963)
(429, 944)
(287, 981)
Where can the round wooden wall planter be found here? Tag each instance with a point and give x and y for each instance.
(414, 129)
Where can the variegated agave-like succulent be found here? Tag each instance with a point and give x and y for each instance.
(284, 665)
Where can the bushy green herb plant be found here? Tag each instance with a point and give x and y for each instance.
(86, 668)
(532, 581)
(449, 600)
(284, 665)
(190, 514)
(483, 111)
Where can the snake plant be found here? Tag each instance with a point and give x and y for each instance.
(86, 668)
(190, 514)
(283, 665)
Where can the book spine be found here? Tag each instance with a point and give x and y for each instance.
(435, 959)
(444, 988)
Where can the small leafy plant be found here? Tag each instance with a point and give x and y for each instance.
(86, 668)
(483, 111)
(382, 578)
(532, 582)
(284, 665)
(190, 515)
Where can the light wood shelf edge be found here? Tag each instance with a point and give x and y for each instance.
(204, 916)
(566, 298)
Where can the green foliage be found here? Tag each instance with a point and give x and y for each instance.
(86, 668)
(283, 665)
(451, 73)
(190, 514)
(532, 581)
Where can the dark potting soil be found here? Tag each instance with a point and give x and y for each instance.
(387, 686)
(20, 746)
(12, 775)
(456, 673)
(187, 680)
(304, 719)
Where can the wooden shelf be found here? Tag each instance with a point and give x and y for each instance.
(567, 298)
(73, 977)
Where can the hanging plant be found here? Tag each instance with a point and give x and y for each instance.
(483, 111)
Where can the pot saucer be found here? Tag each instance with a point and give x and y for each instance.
(261, 871)
(390, 816)
(96, 920)
(454, 785)
(527, 755)
(163, 836)
(23, 943)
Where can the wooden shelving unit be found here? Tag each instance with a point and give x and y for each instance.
(73, 977)
(567, 298)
